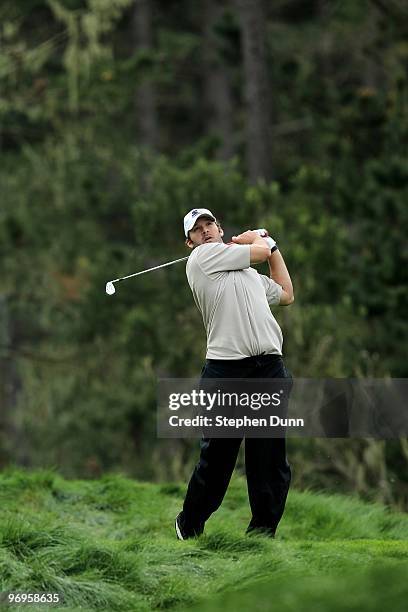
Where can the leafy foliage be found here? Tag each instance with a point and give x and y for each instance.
(82, 203)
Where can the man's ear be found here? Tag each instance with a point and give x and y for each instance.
(189, 243)
(221, 232)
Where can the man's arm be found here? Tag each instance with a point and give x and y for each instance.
(279, 273)
(259, 250)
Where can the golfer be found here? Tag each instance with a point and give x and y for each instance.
(243, 341)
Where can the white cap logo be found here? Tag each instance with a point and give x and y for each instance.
(193, 215)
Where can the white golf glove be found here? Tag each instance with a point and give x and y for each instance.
(270, 241)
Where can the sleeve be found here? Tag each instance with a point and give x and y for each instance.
(219, 257)
(272, 289)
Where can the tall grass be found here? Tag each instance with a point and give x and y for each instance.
(109, 544)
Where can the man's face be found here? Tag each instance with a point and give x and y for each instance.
(204, 230)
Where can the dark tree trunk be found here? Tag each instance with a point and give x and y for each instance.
(13, 445)
(257, 95)
(218, 96)
(145, 95)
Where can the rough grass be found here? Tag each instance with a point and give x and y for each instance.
(110, 545)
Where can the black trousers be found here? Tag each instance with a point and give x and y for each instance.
(267, 469)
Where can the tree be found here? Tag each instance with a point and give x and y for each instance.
(217, 78)
(257, 95)
(145, 95)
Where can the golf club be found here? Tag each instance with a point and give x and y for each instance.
(110, 288)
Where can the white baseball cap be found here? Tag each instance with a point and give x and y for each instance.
(192, 216)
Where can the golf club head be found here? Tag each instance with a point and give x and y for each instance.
(110, 289)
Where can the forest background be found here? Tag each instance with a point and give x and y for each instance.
(116, 118)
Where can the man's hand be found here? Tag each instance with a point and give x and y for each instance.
(262, 232)
(259, 251)
(269, 241)
(247, 237)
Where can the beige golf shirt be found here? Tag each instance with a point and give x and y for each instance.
(234, 302)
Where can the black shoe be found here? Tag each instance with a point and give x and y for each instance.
(266, 531)
(184, 533)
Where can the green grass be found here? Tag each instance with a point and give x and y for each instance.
(110, 545)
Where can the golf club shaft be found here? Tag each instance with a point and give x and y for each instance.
(169, 263)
